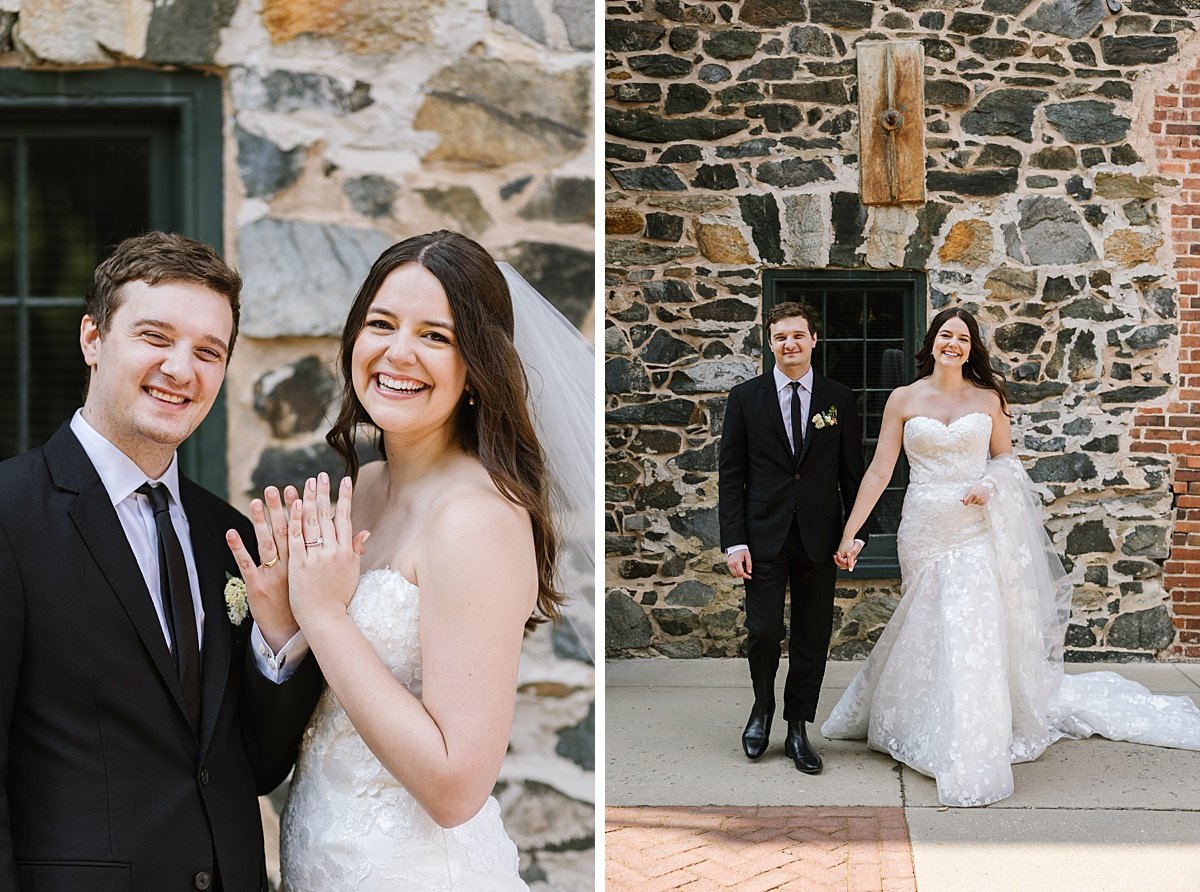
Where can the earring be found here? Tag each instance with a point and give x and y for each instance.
(470, 397)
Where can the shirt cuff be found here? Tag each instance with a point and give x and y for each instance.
(278, 667)
(733, 549)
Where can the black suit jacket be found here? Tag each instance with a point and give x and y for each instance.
(763, 486)
(104, 785)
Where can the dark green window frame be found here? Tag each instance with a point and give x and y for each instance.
(181, 113)
(820, 289)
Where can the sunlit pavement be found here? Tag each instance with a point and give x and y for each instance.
(687, 810)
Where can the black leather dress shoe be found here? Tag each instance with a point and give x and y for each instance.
(800, 751)
(758, 731)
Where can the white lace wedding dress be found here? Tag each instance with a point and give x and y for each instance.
(350, 825)
(967, 677)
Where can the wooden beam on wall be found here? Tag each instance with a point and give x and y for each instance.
(891, 126)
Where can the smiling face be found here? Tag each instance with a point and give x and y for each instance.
(792, 345)
(158, 368)
(952, 344)
(406, 367)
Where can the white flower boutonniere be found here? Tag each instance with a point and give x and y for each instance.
(828, 418)
(236, 605)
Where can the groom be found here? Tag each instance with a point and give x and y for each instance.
(790, 466)
(138, 721)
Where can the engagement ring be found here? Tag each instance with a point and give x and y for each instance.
(320, 540)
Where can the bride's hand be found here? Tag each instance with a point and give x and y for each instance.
(267, 582)
(325, 554)
(847, 553)
(977, 495)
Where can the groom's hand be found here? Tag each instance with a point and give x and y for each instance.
(267, 583)
(847, 553)
(739, 564)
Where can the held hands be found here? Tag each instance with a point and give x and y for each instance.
(267, 583)
(847, 553)
(324, 554)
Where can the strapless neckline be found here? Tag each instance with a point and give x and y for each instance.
(388, 571)
(947, 454)
(947, 424)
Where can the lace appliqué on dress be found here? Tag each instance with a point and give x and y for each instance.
(350, 825)
(967, 677)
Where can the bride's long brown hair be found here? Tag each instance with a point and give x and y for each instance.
(497, 429)
(978, 367)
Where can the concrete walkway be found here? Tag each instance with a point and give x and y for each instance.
(1091, 815)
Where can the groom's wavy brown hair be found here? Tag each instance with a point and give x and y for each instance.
(497, 429)
(156, 258)
(978, 367)
(792, 309)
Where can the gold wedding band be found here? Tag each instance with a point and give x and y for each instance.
(272, 562)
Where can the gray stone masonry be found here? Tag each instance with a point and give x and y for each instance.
(732, 147)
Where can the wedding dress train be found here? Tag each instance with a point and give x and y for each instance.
(350, 825)
(967, 677)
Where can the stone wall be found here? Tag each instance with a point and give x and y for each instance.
(732, 147)
(351, 124)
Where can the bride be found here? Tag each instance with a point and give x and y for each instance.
(967, 677)
(418, 632)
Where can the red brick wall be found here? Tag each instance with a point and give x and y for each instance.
(1176, 432)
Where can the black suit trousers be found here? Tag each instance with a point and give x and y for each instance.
(811, 624)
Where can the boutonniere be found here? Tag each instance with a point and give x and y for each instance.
(828, 418)
(236, 605)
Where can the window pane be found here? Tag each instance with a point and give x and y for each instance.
(875, 399)
(887, 511)
(872, 419)
(85, 195)
(8, 376)
(844, 362)
(843, 315)
(8, 239)
(57, 370)
(885, 314)
(885, 364)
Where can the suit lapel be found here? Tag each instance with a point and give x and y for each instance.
(770, 409)
(96, 520)
(819, 403)
(208, 547)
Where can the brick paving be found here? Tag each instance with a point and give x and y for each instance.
(757, 849)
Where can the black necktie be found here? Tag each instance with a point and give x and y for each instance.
(797, 416)
(177, 600)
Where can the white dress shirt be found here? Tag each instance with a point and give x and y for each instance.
(783, 392)
(121, 478)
